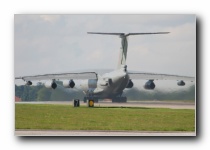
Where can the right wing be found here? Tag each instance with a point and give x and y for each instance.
(156, 76)
(80, 75)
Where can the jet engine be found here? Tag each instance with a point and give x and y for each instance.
(68, 84)
(28, 83)
(149, 85)
(130, 84)
(50, 84)
(181, 83)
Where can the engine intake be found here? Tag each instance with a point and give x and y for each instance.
(51, 84)
(149, 85)
(28, 83)
(181, 83)
(68, 84)
(130, 84)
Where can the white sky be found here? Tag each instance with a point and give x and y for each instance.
(60, 43)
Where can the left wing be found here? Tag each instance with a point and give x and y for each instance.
(80, 75)
(155, 76)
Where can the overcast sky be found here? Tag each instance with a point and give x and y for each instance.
(60, 43)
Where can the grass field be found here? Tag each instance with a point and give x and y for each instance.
(66, 117)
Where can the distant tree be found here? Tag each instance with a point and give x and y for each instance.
(18, 90)
(43, 94)
(135, 94)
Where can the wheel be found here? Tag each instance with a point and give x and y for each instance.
(90, 103)
(76, 103)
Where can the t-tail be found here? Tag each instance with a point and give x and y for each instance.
(124, 44)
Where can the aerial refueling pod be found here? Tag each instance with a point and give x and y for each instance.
(149, 85)
(181, 83)
(130, 84)
(50, 84)
(28, 83)
(68, 83)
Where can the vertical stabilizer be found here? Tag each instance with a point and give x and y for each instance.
(124, 44)
(123, 51)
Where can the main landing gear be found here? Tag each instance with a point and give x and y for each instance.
(114, 99)
(91, 100)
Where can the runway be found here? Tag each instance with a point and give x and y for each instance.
(148, 104)
(99, 133)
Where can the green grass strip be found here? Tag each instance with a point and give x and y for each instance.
(66, 117)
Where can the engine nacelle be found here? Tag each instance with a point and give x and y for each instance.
(181, 83)
(149, 85)
(130, 84)
(50, 84)
(68, 84)
(28, 83)
(88, 84)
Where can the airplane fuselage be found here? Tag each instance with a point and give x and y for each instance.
(108, 85)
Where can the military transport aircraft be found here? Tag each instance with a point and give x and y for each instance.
(109, 85)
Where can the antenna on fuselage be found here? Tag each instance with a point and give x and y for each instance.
(124, 43)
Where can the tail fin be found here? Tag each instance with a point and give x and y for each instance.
(124, 43)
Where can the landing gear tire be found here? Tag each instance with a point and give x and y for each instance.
(76, 102)
(90, 103)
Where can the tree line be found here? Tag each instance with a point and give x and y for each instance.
(41, 93)
(187, 94)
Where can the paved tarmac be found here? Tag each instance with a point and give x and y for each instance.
(149, 104)
(99, 133)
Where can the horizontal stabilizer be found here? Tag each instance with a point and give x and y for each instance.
(106, 33)
(147, 33)
(124, 43)
(123, 34)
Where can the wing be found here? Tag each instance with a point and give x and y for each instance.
(155, 76)
(80, 75)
